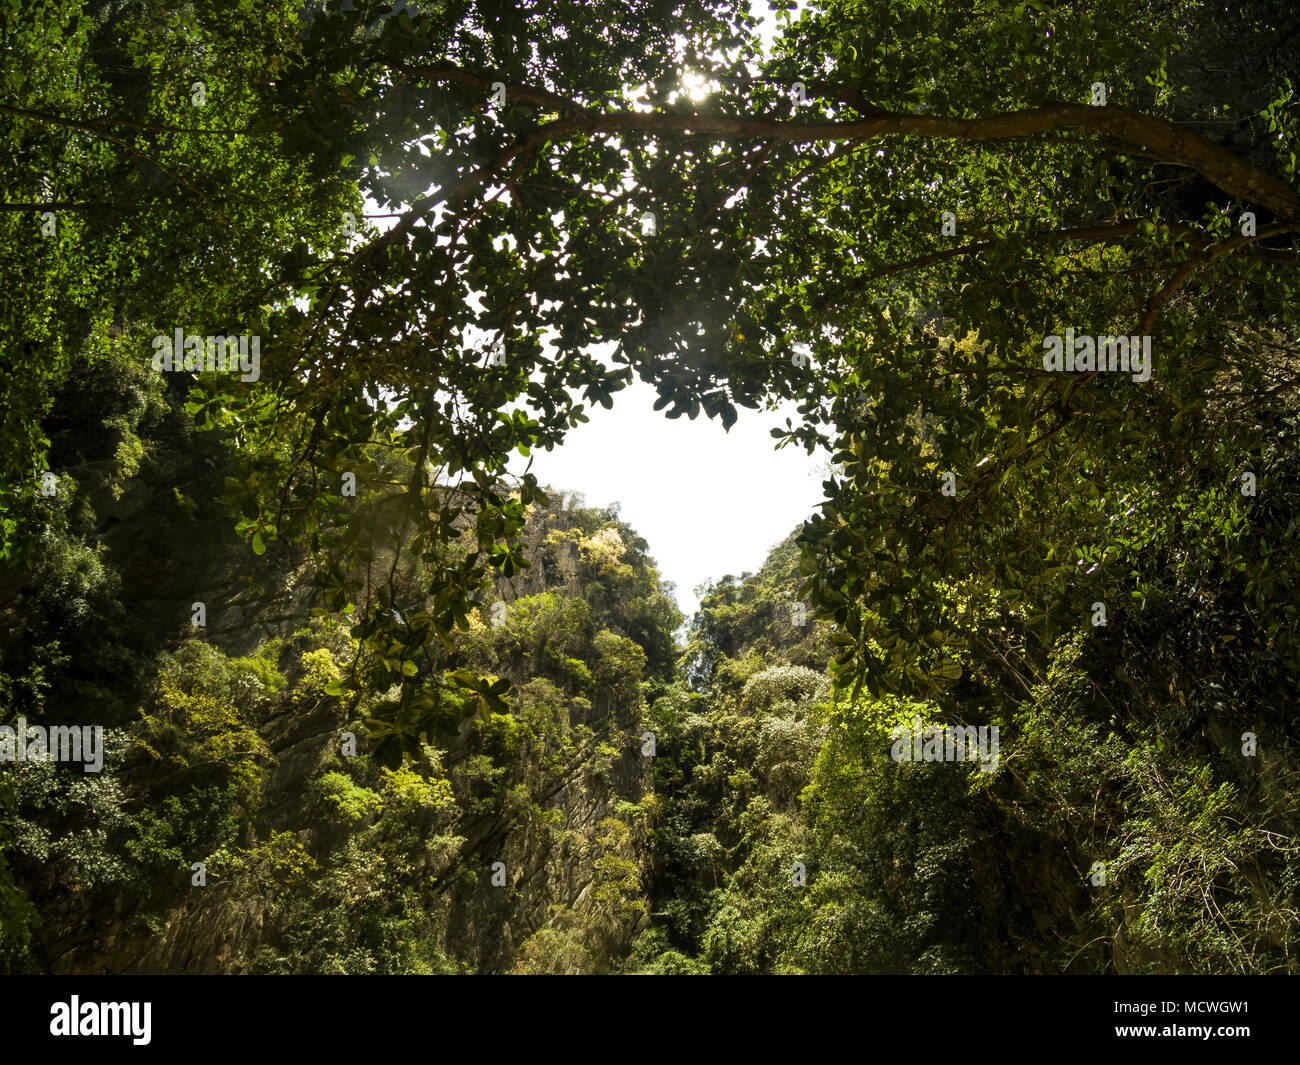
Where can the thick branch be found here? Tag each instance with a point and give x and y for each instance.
(1220, 167)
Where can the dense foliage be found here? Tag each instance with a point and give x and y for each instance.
(885, 216)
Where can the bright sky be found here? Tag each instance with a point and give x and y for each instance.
(709, 502)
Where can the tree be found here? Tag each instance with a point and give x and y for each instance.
(1017, 167)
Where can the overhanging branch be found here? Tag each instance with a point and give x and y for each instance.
(1222, 168)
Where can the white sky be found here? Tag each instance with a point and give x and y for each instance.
(708, 502)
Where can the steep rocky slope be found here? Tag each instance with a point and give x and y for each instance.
(226, 748)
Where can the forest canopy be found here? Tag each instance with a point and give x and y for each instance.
(1029, 272)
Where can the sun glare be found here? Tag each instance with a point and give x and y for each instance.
(696, 87)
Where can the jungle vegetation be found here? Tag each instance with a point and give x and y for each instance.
(410, 734)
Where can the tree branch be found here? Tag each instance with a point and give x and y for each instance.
(1222, 168)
